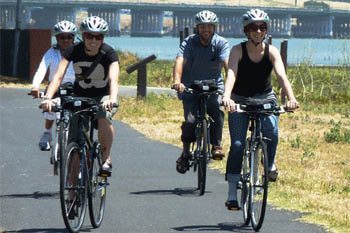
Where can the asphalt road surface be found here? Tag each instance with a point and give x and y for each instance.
(146, 194)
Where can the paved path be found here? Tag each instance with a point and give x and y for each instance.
(146, 194)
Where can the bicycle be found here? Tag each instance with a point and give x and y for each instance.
(200, 154)
(62, 120)
(80, 178)
(253, 186)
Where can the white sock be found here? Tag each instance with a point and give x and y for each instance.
(48, 131)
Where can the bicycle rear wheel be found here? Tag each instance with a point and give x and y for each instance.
(98, 188)
(259, 186)
(202, 160)
(244, 186)
(73, 188)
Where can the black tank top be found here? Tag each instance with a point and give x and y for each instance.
(253, 78)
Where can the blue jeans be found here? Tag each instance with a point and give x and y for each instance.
(215, 111)
(238, 126)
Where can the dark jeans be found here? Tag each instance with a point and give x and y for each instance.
(215, 111)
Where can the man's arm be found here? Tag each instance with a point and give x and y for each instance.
(177, 74)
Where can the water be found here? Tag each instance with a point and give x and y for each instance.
(324, 52)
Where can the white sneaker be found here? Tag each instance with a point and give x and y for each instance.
(45, 142)
(106, 169)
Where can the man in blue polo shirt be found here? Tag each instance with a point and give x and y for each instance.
(201, 56)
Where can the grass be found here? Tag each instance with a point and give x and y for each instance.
(314, 174)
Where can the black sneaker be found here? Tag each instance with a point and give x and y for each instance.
(232, 205)
(182, 164)
(273, 175)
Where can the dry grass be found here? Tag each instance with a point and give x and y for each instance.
(314, 175)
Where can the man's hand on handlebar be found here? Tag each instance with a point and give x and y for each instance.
(179, 87)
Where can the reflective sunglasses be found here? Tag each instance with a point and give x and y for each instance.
(255, 27)
(91, 36)
(65, 37)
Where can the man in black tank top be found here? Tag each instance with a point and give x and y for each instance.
(250, 66)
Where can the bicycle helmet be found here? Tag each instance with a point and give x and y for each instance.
(206, 17)
(64, 27)
(94, 24)
(255, 15)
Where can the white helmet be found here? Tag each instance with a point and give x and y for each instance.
(64, 27)
(206, 17)
(255, 15)
(94, 24)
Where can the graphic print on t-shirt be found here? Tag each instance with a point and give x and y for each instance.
(95, 79)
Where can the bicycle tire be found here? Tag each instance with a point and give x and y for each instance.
(202, 160)
(62, 137)
(73, 182)
(259, 186)
(98, 188)
(244, 191)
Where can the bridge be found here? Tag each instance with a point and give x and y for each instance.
(147, 19)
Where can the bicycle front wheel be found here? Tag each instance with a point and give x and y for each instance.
(98, 188)
(202, 160)
(73, 188)
(244, 185)
(259, 185)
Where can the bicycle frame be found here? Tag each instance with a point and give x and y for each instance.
(255, 166)
(201, 116)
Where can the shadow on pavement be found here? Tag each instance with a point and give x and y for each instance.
(35, 195)
(231, 227)
(176, 191)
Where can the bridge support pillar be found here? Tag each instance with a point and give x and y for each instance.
(183, 20)
(341, 28)
(314, 27)
(39, 16)
(112, 17)
(230, 25)
(280, 25)
(147, 23)
(8, 17)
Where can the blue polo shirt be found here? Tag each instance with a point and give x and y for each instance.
(203, 62)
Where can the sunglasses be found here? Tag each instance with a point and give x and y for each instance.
(91, 36)
(255, 27)
(65, 37)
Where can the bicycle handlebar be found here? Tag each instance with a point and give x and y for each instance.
(264, 109)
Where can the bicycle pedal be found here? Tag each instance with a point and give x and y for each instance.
(103, 183)
(105, 174)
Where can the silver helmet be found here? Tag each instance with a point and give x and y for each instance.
(94, 24)
(255, 15)
(64, 27)
(206, 17)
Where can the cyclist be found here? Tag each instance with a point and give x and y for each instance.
(201, 56)
(96, 67)
(64, 31)
(248, 79)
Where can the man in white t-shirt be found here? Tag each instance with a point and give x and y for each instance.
(64, 31)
